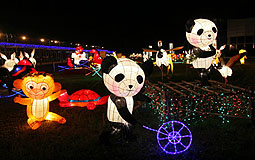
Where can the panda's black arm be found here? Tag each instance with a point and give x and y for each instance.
(120, 103)
(141, 97)
(206, 54)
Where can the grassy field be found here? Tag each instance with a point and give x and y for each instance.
(79, 137)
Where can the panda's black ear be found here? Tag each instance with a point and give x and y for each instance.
(189, 25)
(108, 64)
(147, 67)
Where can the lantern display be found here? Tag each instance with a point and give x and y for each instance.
(162, 58)
(9, 63)
(82, 98)
(96, 58)
(202, 34)
(173, 137)
(95, 61)
(40, 90)
(124, 79)
(27, 60)
(78, 55)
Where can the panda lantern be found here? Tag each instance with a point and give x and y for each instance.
(124, 79)
(202, 34)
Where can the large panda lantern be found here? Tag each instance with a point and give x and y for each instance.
(124, 79)
(202, 34)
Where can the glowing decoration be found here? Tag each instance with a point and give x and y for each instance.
(161, 55)
(96, 63)
(202, 34)
(173, 137)
(242, 60)
(114, 55)
(124, 79)
(78, 60)
(173, 101)
(78, 55)
(32, 59)
(96, 59)
(40, 90)
(13, 92)
(241, 55)
(171, 65)
(9, 63)
(82, 98)
(19, 45)
(162, 58)
(27, 60)
(225, 71)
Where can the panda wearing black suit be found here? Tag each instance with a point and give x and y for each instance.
(124, 79)
(202, 34)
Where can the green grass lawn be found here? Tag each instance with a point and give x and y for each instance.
(79, 137)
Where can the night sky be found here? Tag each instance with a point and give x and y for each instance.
(125, 26)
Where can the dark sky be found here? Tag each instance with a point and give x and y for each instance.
(124, 26)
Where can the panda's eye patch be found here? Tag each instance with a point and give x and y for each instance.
(139, 79)
(200, 31)
(214, 29)
(119, 77)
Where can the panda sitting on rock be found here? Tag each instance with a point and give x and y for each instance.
(124, 79)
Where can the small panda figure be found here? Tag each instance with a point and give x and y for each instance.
(124, 79)
(202, 34)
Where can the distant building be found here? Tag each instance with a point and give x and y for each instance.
(241, 33)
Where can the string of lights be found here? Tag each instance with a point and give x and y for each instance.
(20, 45)
(170, 105)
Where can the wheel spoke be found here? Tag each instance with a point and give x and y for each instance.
(173, 126)
(163, 133)
(185, 136)
(175, 150)
(183, 145)
(165, 130)
(163, 138)
(166, 145)
(180, 130)
(171, 137)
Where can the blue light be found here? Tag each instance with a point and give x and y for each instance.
(93, 100)
(14, 94)
(46, 47)
(173, 137)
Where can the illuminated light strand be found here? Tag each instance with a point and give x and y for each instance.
(199, 107)
(46, 47)
(14, 94)
(174, 138)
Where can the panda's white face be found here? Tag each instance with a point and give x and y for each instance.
(125, 79)
(203, 33)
